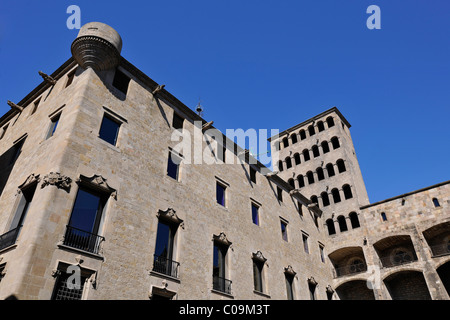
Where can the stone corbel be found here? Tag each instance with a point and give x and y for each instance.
(329, 289)
(32, 178)
(47, 78)
(312, 281)
(222, 238)
(15, 106)
(170, 214)
(259, 256)
(98, 182)
(58, 180)
(289, 270)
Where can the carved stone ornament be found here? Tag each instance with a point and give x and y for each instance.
(259, 256)
(98, 182)
(312, 281)
(58, 180)
(15, 106)
(289, 270)
(329, 289)
(56, 273)
(32, 178)
(47, 78)
(222, 238)
(170, 215)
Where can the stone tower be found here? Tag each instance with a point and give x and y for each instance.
(317, 156)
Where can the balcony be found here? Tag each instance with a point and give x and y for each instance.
(397, 259)
(222, 284)
(162, 264)
(9, 238)
(350, 269)
(82, 240)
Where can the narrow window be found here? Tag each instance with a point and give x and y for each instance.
(288, 162)
(320, 174)
(252, 175)
(354, 220)
(321, 252)
(342, 223)
(325, 147)
(2, 134)
(2, 270)
(310, 177)
(330, 226)
(305, 242)
(280, 166)
(163, 261)
(258, 267)
(315, 150)
(294, 138)
(291, 183)
(325, 199)
(16, 151)
(436, 202)
(330, 170)
(173, 166)
(320, 126)
(109, 129)
(297, 158)
(220, 193)
(284, 234)
(315, 200)
(330, 122)
(285, 142)
(311, 130)
(300, 208)
(341, 166)
(220, 282)
(335, 142)
(289, 285)
(301, 181)
(53, 125)
(336, 195)
(255, 214)
(279, 194)
(177, 122)
(383, 216)
(302, 134)
(70, 78)
(121, 81)
(306, 154)
(347, 191)
(35, 106)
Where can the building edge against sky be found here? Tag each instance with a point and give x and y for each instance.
(88, 178)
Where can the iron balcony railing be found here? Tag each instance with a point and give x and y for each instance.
(441, 249)
(83, 240)
(162, 264)
(222, 284)
(397, 259)
(9, 238)
(350, 269)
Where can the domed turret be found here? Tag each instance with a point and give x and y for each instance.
(97, 46)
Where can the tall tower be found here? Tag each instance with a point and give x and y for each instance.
(317, 156)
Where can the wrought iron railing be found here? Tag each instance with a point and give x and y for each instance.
(165, 266)
(440, 249)
(222, 284)
(83, 240)
(397, 259)
(9, 238)
(350, 269)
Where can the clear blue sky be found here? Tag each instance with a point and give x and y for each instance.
(273, 64)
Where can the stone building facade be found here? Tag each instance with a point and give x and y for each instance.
(97, 202)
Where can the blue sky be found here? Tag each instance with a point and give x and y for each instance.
(273, 64)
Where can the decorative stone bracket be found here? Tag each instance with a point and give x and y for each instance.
(58, 180)
(170, 214)
(222, 238)
(98, 182)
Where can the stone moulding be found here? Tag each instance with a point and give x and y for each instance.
(99, 183)
(259, 256)
(58, 180)
(32, 178)
(171, 215)
(222, 238)
(289, 270)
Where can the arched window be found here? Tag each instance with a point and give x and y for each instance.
(342, 223)
(294, 138)
(302, 134)
(288, 162)
(315, 200)
(320, 126)
(310, 177)
(347, 191)
(280, 165)
(336, 195)
(330, 226)
(301, 181)
(320, 174)
(354, 220)
(325, 199)
(436, 202)
(383, 216)
(292, 183)
(330, 170)
(341, 166)
(330, 122)
(306, 154)
(285, 142)
(311, 130)
(315, 150)
(297, 158)
(325, 147)
(335, 142)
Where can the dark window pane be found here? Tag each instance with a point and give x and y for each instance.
(284, 231)
(53, 125)
(164, 241)
(173, 166)
(257, 275)
(220, 194)
(109, 130)
(289, 281)
(177, 122)
(255, 215)
(121, 81)
(86, 212)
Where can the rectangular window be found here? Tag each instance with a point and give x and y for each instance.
(321, 250)
(289, 286)
(2, 270)
(255, 214)
(164, 249)
(70, 78)
(177, 122)
(305, 242)
(253, 175)
(280, 194)
(85, 221)
(300, 208)
(35, 106)
(220, 282)
(220, 194)
(65, 286)
(173, 166)
(284, 234)
(109, 129)
(257, 275)
(121, 81)
(53, 125)
(3, 131)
